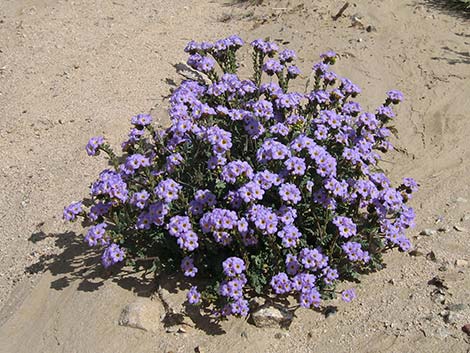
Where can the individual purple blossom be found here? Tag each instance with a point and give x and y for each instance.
(289, 235)
(348, 295)
(187, 265)
(286, 56)
(289, 193)
(310, 298)
(72, 211)
(328, 56)
(312, 259)
(168, 190)
(93, 145)
(354, 252)
(394, 96)
(193, 296)
(233, 266)
(346, 226)
(280, 283)
(112, 255)
(293, 71)
(330, 275)
(385, 111)
(295, 165)
(139, 199)
(141, 120)
(96, 235)
(272, 66)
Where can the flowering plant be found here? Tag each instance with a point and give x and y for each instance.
(253, 189)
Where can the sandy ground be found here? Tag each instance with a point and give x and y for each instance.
(74, 69)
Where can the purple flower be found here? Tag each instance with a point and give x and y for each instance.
(233, 266)
(93, 145)
(96, 235)
(286, 56)
(72, 211)
(272, 66)
(345, 225)
(193, 296)
(168, 190)
(394, 96)
(280, 283)
(348, 295)
(310, 298)
(141, 120)
(187, 265)
(112, 255)
(289, 193)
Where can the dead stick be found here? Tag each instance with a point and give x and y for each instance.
(341, 11)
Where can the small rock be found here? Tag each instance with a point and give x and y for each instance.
(359, 40)
(392, 281)
(272, 316)
(429, 232)
(438, 282)
(431, 256)
(439, 298)
(330, 311)
(244, 334)
(443, 229)
(143, 313)
(370, 28)
(199, 349)
(461, 263)
(451, 318)
(459, 228)
(466, 329)
(461, 200)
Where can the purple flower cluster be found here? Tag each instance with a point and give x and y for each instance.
(93, 145)
(252, 185)
(72, 211)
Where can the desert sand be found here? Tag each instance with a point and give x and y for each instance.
(70, 70)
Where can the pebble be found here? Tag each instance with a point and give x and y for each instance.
(429, 232)
(272, 316)
(431, 256)
(461, 263)
(466, 329)
(330, 311)
(443, 229)
(392, 281)
(143, 313)
(459, 228)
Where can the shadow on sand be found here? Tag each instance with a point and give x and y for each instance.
(78, 262)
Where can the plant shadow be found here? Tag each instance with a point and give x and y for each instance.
(451, 7)
(76, 262)
(454, 57)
